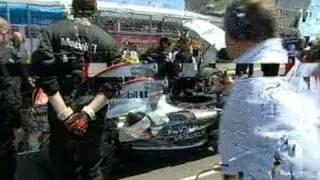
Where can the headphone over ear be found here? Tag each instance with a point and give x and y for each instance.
(88, 7)
(239, 16)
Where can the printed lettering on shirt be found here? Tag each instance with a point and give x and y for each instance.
(76, 44)
(65, 59)
(94, 48)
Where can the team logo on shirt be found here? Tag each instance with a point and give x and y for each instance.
(76, 44)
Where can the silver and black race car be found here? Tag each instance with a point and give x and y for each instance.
(142, 118)
(146, 120)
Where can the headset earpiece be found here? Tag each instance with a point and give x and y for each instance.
(244, 31)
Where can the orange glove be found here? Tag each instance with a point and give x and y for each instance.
(77, 123)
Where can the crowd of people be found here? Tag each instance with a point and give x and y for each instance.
(11, 130)
(183, 50)
(74, 130)
(169, 57)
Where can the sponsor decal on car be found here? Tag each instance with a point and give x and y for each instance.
(185, 129)
(182, 129)
(140, 90)
(132, 94)
(190, 136)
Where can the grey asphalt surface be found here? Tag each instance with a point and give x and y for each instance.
(168, 166)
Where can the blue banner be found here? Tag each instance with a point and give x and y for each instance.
(40, 15)
(169, 4)
(44, 15)
(3, 11)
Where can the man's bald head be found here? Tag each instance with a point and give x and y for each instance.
(17, 38)
(17, 35)
(4, 31)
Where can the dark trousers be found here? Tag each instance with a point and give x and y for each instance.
(242, 69)
(8, 165)
(8, 162)
(75, 156)
(168, 69)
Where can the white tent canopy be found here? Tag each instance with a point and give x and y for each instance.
(146, 10)
(208, 32)
(128, 8)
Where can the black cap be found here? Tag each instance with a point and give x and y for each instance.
(165, 40)
(87, 7)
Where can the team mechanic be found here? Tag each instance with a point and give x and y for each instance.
(11, 131)
(76, 136)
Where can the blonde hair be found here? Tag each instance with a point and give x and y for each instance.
(3, 24)
(252, 19)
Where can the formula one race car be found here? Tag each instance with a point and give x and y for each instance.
(148, 121)
(143, 118)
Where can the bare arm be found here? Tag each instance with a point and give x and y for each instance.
(44, 55)
(95, 105)
(57, 102)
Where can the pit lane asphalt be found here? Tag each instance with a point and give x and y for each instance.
(182, 165)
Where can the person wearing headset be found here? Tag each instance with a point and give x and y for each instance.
(19, 52)
(252, 37)
(11, 130)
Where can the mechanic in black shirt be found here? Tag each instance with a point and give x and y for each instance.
(76, 131)
(11, 131)
(163, 56)
(20, 55)
(19, 52)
